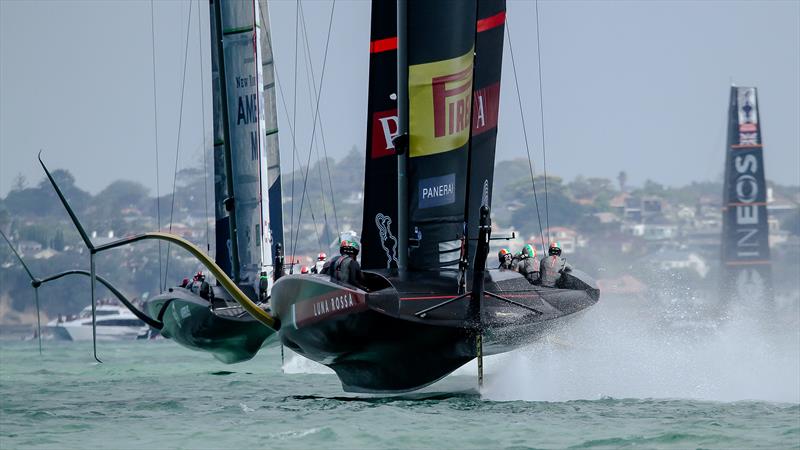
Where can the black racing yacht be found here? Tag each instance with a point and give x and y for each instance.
(430, 304)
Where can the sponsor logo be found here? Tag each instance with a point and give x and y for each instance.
(747, 218)
(388, 241)
(440, 105)
(326, 305)
(384, 130)
(748, 116)
(750, 284)
(486, 104)
(437, 191)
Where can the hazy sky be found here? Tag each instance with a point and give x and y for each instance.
(636, 86)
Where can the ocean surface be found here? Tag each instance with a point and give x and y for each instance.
(599, 382)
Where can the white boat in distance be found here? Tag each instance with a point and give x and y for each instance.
(114, 322)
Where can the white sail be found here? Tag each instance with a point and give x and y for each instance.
(243, 91)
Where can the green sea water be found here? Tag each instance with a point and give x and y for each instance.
(591, 387)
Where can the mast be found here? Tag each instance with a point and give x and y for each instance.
(402, 141)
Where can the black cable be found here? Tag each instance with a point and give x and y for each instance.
(524, 132)
(178, 144)
(321, 131)
(155, 124)
(294, 120)
(314, 126)
(541, 115)
(203, 120)
(313, 89)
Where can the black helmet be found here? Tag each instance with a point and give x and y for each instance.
(555, 249)
(504, 255)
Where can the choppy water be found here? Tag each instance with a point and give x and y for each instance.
(596, 384)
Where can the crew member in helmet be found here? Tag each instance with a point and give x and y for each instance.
(200, 287)
(304, 270)
(344, 268)
(528, 264)
(263, 286)
(321, 259)
(504, 257)
(553, 265)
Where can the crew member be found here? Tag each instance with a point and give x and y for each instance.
(200, 286)
(528, 264)
(344, 267)
(553, 266)
(304, 270)
(321, 259)
(263, 286)
(504, 257)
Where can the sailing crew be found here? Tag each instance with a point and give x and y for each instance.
(553, 265)
(504, 257)
(321, 259)
(304, 270)
(199, 286)
(344, 267)
(263, 286)
(528, 264)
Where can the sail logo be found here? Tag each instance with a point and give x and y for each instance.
(385, 128)
(746, 194)
(384, 224)
(486, 105)
(450, 104)
(437, 191)
(440, 105)
(748, 116)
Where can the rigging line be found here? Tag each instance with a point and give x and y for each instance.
(541, 115)
(203, 120)
(294, 120)
(311, 210)
(291, 131)
(155, 125)
(524, 131)
(312, 88)
(321, 131)
(178, 143)
(316, 116)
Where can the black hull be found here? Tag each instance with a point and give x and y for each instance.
(377, 343)
(226, 332)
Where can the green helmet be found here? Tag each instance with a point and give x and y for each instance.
(529, 251)
(348, 247)
(555, 249)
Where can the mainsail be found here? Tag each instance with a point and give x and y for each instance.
(239, 113)
(746, 271)
(379, 230)
(451, 168)
(441, 45)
